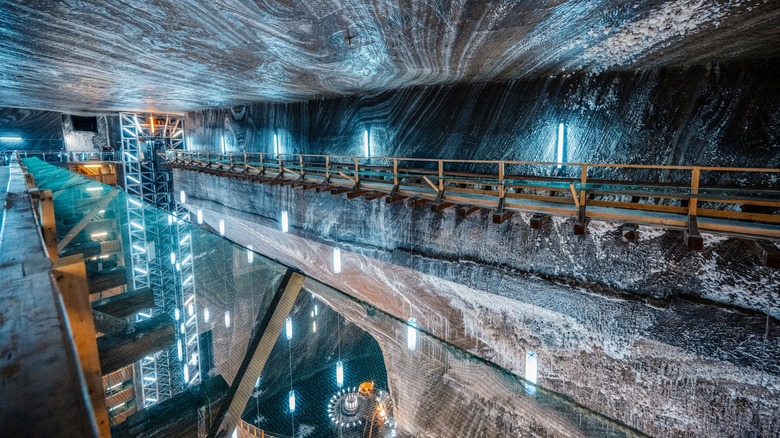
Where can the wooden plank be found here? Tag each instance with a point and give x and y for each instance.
(106, 279)
(147, 337)
(441, 206)
(127, 303)
(71, 277)
(268, 331)
(87, 218)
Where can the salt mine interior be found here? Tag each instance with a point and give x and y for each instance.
(376, 219)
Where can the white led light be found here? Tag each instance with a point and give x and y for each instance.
(288, 328)
(559, 154)
(178, 348)
(530, 366)
(336, 260)
(221, 227)
(250, 255)
(340, 373)
(100, 234)
(227, 319)
(182, 197)
(190, 309)
(206, 315)
(200, 216)
(10, 138)
(186, 374)
(411, 334)
(94, 189)
(176, 314)
(316, 310)
(173, 258)
(137, 225)
(291, 400)
(366, 144)
(223, 144)
(314, 326)
(285, 222)
(276, 144)
(140, 271)
(134, 202)
(133, 179)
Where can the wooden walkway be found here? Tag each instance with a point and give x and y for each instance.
(688, 198)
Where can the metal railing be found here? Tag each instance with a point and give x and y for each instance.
(62, 156)
(733, 200)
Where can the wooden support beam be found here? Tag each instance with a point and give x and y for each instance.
(466, 210)
(345, 176)
(146, 338)
(374, 195)
(107, 324)
(71, 277)
(433, 186)
(48, 224)
(537, 220)
(178, 416)
(416, 202)
(106, 279)
(338, 190)
(629, 232)
(581, 224)
(501, 215)
(692, 236)
(392, 199)
(87, 219)
(767, 253)
(268, 331)
(441, 206)
(92, 248)
(126, 304)
(356, 193)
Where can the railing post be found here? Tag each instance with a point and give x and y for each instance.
(262, 163)
(357, 170)
(441, 176)
(501, 190)
(300, 161)
(395, 172)
(281, 166)
(244, 157)
(583, 181)
(692, 203)
(327, 167)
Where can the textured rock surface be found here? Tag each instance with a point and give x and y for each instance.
(53, 131)
(155, 55)
(719, 115)
(676, 368)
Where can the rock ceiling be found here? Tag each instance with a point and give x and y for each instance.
(107, 55)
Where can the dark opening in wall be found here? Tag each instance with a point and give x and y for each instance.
(84, 123)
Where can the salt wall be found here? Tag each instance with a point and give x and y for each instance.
(52, 131)
(718, 114)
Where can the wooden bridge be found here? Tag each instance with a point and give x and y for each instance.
(729, 200)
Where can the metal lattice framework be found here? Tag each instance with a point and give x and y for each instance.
(157, 242)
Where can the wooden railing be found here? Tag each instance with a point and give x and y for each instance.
(733, 200)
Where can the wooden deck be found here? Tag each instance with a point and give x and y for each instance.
(43, 390)
(664, 196)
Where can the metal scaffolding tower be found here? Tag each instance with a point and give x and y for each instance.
(160, 248)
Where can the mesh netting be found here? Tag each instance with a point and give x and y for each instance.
(339, 367)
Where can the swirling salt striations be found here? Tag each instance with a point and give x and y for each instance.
(151, 55)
